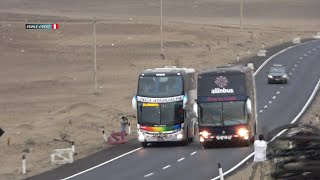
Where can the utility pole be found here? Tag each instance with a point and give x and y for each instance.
(161, 38)
(241, 14)
(95, 56)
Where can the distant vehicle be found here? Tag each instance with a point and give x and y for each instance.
(226, 105)
(277, 74)
(164, 105)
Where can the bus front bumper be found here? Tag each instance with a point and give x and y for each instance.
(160, 137)
(223, 138)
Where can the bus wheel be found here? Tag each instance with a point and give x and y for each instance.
(205, 145)
(246, 142)
(144, 144)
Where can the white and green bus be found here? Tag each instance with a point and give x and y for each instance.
(164, 105)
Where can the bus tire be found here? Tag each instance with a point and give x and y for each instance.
(246, 143)
(205, 145)
(144, 144)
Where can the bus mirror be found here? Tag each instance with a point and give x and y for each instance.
(249, 106)
(195, 109)
(185, 101)
(134, 103)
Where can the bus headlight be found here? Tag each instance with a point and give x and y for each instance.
(242, 132)
(179, 136)
(205, 134)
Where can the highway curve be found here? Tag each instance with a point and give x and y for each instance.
(277, 105)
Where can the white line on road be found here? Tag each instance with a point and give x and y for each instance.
(281, 87)
(261, 111)
(193, 153)
(278, 92)
(305, 55)
(300, 57)
(296, 65)
(309, 52)
(147, 175)
(270, 102)
(265, 106)
(166, 167)
(181, 159)
(314, 49)
(90, 169)
(274, 97)
(290, 73)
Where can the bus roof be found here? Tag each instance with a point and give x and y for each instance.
(168, 70)
(225, 70)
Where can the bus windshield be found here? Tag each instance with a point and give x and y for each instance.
(160, 86)
(160, 113)
(223, 113)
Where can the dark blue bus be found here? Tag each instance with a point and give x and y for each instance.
(226, 105)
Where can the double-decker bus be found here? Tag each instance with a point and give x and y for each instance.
(164, 105)
(226, 105)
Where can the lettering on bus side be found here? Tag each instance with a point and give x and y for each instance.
(160, 100)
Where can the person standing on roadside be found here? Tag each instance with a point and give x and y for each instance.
(123, 124)
(260, 157)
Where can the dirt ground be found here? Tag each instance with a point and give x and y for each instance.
(46, 76)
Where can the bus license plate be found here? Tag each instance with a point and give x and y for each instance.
(224, 137)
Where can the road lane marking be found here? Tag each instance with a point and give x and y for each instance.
(181, 159)
(274, 97)
(293, 69)
(278, 92)
(193, 153)
(296, 65)
(147, 175)
(260, 111)
(290, 73)
(300, 57)
(305, 55)
(281, 87)
(265, 106)
(309, 52)
(166, 167)
(270, 102)
(109, 161)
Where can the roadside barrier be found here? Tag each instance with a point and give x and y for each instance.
(262, 53)
(220, 172)
(63, 156)
(24, 165)
(296, 40)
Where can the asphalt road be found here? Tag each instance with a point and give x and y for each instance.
(277, 105)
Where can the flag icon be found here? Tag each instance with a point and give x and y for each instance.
(55, 26)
